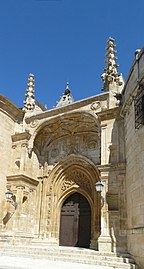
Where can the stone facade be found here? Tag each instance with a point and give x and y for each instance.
(132, 111)
(48, 155)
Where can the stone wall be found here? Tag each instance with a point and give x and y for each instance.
(6, 129)
(134, 139)
(87, 130)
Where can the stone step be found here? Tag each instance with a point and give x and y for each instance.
(62, 249)
(77, 255)
(84, 261)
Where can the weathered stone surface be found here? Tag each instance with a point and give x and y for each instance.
(48, 156)
(57, 154)
(134, 144)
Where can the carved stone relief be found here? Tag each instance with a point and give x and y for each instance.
(99, 106)
(49, 209)
(34, 123)
(95, 105)
(67, 184)
(67, 135)
(86, 145)
(76, 178)
(92, 145)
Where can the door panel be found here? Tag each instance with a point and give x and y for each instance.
(75, 226)
(67, 238)
(69, 223)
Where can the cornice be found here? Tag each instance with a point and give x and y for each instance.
(22, 179)
(68, 108)
(109, 113)
(112, 167)
(21, 136)
(10, 109)
(131, 69)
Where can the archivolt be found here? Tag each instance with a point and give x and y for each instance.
(74, 161)
(60, 118)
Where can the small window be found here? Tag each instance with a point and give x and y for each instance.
(139, 107)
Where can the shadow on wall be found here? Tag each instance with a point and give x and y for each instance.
(116, 195)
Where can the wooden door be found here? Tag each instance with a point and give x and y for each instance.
(75, 225)
(84, 232)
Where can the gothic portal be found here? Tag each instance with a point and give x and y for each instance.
(52, 160)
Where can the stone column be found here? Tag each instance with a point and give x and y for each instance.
(96, 222)
(103, 144)
(23, 157)
(105, 240)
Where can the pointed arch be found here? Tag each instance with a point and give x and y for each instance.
(74, 174)
(75, 221)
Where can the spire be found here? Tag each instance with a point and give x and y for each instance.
(29, 102)
(67, 90)
(66, 98)
(111, 74)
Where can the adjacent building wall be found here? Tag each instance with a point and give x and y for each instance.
(6, 129)
(10, 115)
(134, 140)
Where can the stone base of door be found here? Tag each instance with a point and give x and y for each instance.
(105, 244)
(94, 244)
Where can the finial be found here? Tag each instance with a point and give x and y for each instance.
(137, 53)
(29, 102)
(67, 89)
(111, 74)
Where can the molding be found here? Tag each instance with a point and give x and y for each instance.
(132, 69)
(110, 113)
(20, 136)
(68, 108)
(135, 230)
(111, 167)
(10, 109)
(21, 179)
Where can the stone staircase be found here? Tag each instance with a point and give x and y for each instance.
(70, 254)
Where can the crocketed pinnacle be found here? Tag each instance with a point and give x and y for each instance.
(29, 102)
(111, 74)
(66, 98)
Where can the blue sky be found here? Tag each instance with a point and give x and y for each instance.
(64, 40)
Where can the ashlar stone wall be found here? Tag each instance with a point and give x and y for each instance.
(6, 129)
(134, 140)
(85, 140)
(8, 115)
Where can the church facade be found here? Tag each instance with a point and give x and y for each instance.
(53, 159)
